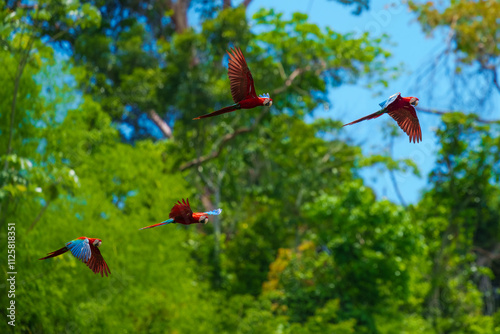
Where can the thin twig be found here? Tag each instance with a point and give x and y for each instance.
(290, 79)
(441, 112)
(495, 78)
(40, 214)
(227, 138)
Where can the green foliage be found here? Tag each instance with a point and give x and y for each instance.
(461, 215)
(471, 49)
(302, 246)
(474, 25)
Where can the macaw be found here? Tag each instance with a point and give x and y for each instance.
(402, 109)
(242, 87)
(181, 213)
(86, 250)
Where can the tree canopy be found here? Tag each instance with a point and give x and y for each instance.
(97, 139)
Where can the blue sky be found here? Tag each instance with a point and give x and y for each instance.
(409, 45)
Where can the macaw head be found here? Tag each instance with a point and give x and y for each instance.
(97, 242)
(414, 101)
(267, 99)
(203, 220)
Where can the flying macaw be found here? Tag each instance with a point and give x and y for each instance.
(181, 213)
(86, 250)
(242, 87)
(402, 109)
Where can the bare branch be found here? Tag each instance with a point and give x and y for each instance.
(226, 139)
(246, 3)
(214, 154)
(296, 73)
(282, 71)
(40, 214)
(491, 255)
(290, 79)
(226, 4)
(440, 112)
(160, 123)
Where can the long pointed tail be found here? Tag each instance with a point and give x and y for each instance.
(221, 111)
(55, 253)
(371, 116)
(159, 224)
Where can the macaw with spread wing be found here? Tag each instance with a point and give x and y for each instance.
(242, 87)
(402, 109)
(181, 213)
(86, 250)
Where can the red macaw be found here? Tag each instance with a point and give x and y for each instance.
(242, 87)
(402, 109)
(181, 213)
(86, 250)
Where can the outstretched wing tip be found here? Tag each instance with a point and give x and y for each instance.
(96, 263)
(408, 123)
(240, 77)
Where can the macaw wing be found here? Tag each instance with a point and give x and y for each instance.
(80, 249)
(213, 212)
(181, 211)
(96, 262)
(242, 86)
(408, 121)
(390, 100)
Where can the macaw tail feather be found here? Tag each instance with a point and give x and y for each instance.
(214, 212)
(55, 253)
(171, 220)
(221, 111)
(371, 116)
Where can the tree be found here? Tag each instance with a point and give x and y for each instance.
(471, 55)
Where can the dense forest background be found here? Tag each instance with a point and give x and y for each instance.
(96, 102)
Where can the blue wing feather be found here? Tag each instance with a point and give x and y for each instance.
(213, 212)
(387, 102)
(80, 249)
